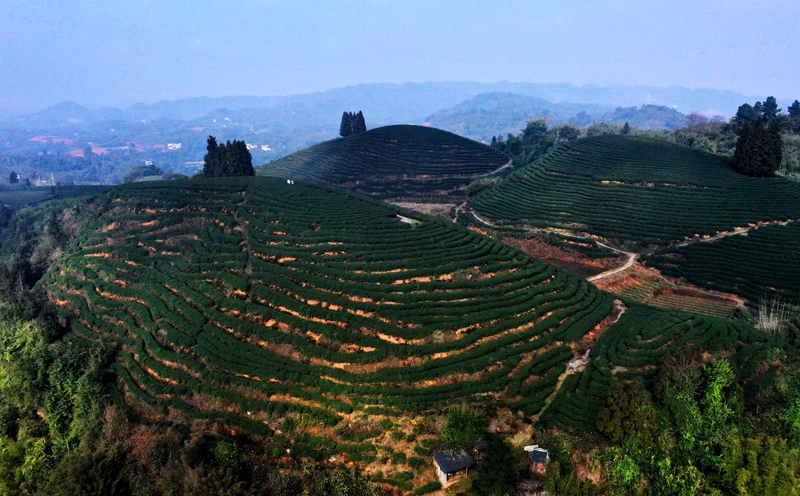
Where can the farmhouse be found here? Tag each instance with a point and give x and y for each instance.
(451, 466)
(538, 457)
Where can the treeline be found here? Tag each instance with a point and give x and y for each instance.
(227, 159)
(352, 124)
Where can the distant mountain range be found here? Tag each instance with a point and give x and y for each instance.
(389, 103)
(498, 114)
(172, 134)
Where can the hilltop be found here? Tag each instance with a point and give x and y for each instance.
(393, 161)
(639, 190)
(687, 212)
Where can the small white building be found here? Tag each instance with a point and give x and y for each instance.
(452, 466)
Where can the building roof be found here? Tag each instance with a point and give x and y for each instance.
(538, 456)
(481, 444)
(453, 462)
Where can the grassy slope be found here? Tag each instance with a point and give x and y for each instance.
(429, 157)
(638, 189)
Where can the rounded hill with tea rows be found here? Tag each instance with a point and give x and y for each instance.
(637, 189)
(392, 161)
(242, 299)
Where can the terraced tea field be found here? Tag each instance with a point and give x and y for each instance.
(634, 189)
(244, 299)
(26, 197)
(393, 161)
(647, 285)
(634, 346)
(762, 263)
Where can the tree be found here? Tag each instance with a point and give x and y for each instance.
(630, 414)
(746, 114)
(769, 110)
(465, 426)
(794, 109)
(497, 472)
(137, 172)
(758, 150)
(211, 159)
(626, 129)
(13, 177)
(344, 127)
(361, 125)
(229, 159)
(352, 124)
(695, 119)
(568, 133)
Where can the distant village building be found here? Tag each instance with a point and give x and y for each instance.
(538, 458)
(174, 146)
(266, 148)
(452, 466)
(250, 147)
(45, 182)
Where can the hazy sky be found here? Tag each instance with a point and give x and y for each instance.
(117, 52)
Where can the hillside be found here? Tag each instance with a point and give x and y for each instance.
(269, 297)
(760, 263)
(392, 161)
(637, 190)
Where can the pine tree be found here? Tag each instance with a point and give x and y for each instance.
(211, 159)
(352, 124)
(794, 109)
(344, 127)
(626, 129)
(361, 125)
(228, 159)
(758, 150)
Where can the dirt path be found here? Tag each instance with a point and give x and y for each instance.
(506, 166)
(578, 364)
(735, 232)
(463, 208)
(632, 257)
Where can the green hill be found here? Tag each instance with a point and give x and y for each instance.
(637, 189)
(317, 323)
(392, 161)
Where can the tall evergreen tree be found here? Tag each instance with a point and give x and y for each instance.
(769, 110)
(361, 125)
(352, 124)
(758, 150)
(794, 109)
(211, 159)
(344, 127)
(228, 159)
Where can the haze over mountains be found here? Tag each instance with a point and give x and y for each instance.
(172, 134)
(389, 103)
